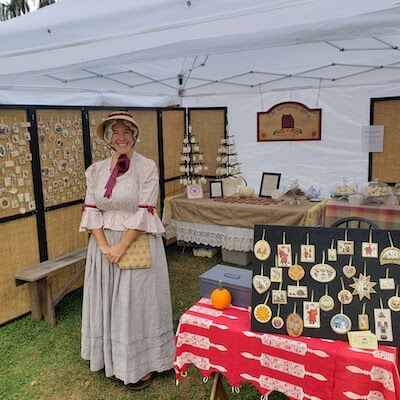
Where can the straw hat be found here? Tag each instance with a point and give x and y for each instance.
(117, 115)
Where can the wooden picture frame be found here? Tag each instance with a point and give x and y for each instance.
(216, 189)
(269, 182)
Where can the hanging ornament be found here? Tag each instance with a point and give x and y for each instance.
(297, 292)
(383, 323)
(363, 321)
(311, 313)
(369, 249)
(276, 272)
(262, 312)
(390, 255)
(261, 283)
(332, 254)
(345, 247)
(340, 323)
(387, 283)
(394, 301)
(323, 273)
(344, 296)
(326, 302)
(284, 253)
(307, 251)
(349, 270)
(294, 323)
(363, 285)
(277, 322)
(279, 296)
(262, 249)
(296, 272)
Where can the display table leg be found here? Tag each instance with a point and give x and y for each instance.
(218, 390)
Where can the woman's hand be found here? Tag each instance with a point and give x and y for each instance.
(115, 253)
(104, 248)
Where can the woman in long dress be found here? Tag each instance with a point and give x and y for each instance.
(126, 313)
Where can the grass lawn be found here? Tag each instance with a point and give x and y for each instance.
(41, 362)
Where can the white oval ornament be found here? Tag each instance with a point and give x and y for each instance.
(323, 273)
(349, 271)
(326, 303)
(262, 250)
(345, 296)
(340, 324)
(294, 325)
(277, 322)
(394, 303)
(261, 283)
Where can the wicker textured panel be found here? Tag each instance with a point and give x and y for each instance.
(16, 186)
(100, 150)
(173, 131)
(18, 241)
(173, 187)
(61, 155)
(208, 126)
(386, 165)
(62, 237)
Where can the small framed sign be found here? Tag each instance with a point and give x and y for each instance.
(269, 182)
(194, 191)
(216, 189)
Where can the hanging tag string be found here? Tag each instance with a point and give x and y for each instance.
(284, 237)
(370, 235)
(381, 302)
(262, 269)
(326, 290)
(341, 280)
(276, 260)
(350, 260)
(323, 257)
(307, 239)
(397, 291)
(387, 273)
(365, 268)
(279, 310)
(294, 308)
(345, 235)
(390, 239)
(266, 299)
(332, 243)
(312, 295)
(263, 235)
(295, 258)
(364, 306)
(341, 308)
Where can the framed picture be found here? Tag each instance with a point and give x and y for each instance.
(194, 191)
(269, 182)
(216, 189)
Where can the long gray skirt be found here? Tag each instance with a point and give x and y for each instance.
(126, 314)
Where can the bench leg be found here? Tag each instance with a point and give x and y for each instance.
(46, 302)
(34, 296)
(217, 390)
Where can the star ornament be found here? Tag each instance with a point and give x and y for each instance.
(363, 286)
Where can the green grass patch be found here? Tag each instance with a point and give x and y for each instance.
(41, 362)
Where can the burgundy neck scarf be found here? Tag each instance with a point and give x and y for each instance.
(120, 168)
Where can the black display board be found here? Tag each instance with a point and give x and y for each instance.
(322, 238)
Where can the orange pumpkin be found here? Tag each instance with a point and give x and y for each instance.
(221, 298)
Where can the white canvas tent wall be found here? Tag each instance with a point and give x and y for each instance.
(247, 55)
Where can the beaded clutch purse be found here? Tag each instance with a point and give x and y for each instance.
(138, 254)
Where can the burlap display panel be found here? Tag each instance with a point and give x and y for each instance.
(386, 166)
(100, 150)
(62, 237)
(173, 123)
(209, 127)
(19, 249)
(16, 186)
(61, 155)
(173, 188)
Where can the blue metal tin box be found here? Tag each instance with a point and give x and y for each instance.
(236, 280)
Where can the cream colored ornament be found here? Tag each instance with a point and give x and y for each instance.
(246, 191)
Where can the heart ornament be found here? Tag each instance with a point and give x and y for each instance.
(261, 283)
(349, 271)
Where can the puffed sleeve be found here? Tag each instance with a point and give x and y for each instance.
(146, 218)
(92, 217)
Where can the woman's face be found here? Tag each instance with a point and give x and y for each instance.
(122, 138)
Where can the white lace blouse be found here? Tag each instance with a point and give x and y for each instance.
(133, 200)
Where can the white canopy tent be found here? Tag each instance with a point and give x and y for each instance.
(247, 55)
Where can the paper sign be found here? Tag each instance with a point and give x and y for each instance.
(372, 138)
(362, 340)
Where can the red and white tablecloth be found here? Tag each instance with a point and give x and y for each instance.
(301, 368)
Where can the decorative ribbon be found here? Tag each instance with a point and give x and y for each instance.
(88, 206)
(120, 168)
(149, 208)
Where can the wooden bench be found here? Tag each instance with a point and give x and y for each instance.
(37, 276)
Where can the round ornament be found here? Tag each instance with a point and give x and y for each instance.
(349, 271)
(4, 131)
(296, 272)
(262, 313)
(394, 303)
(261, 283)
(58, 127)
(262, 249)
(345, 296)
(326, 303)
(294, 325)
(340, 324)
(277, 322)
(4, 202)
(323, 273)
(16, 128)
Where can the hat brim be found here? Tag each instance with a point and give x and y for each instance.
(100, 128)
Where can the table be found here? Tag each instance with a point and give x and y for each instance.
(385, 216)
(221, 343)
(231, 225)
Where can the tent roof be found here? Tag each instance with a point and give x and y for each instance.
(165, 47)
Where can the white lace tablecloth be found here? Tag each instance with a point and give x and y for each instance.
(228, 237)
